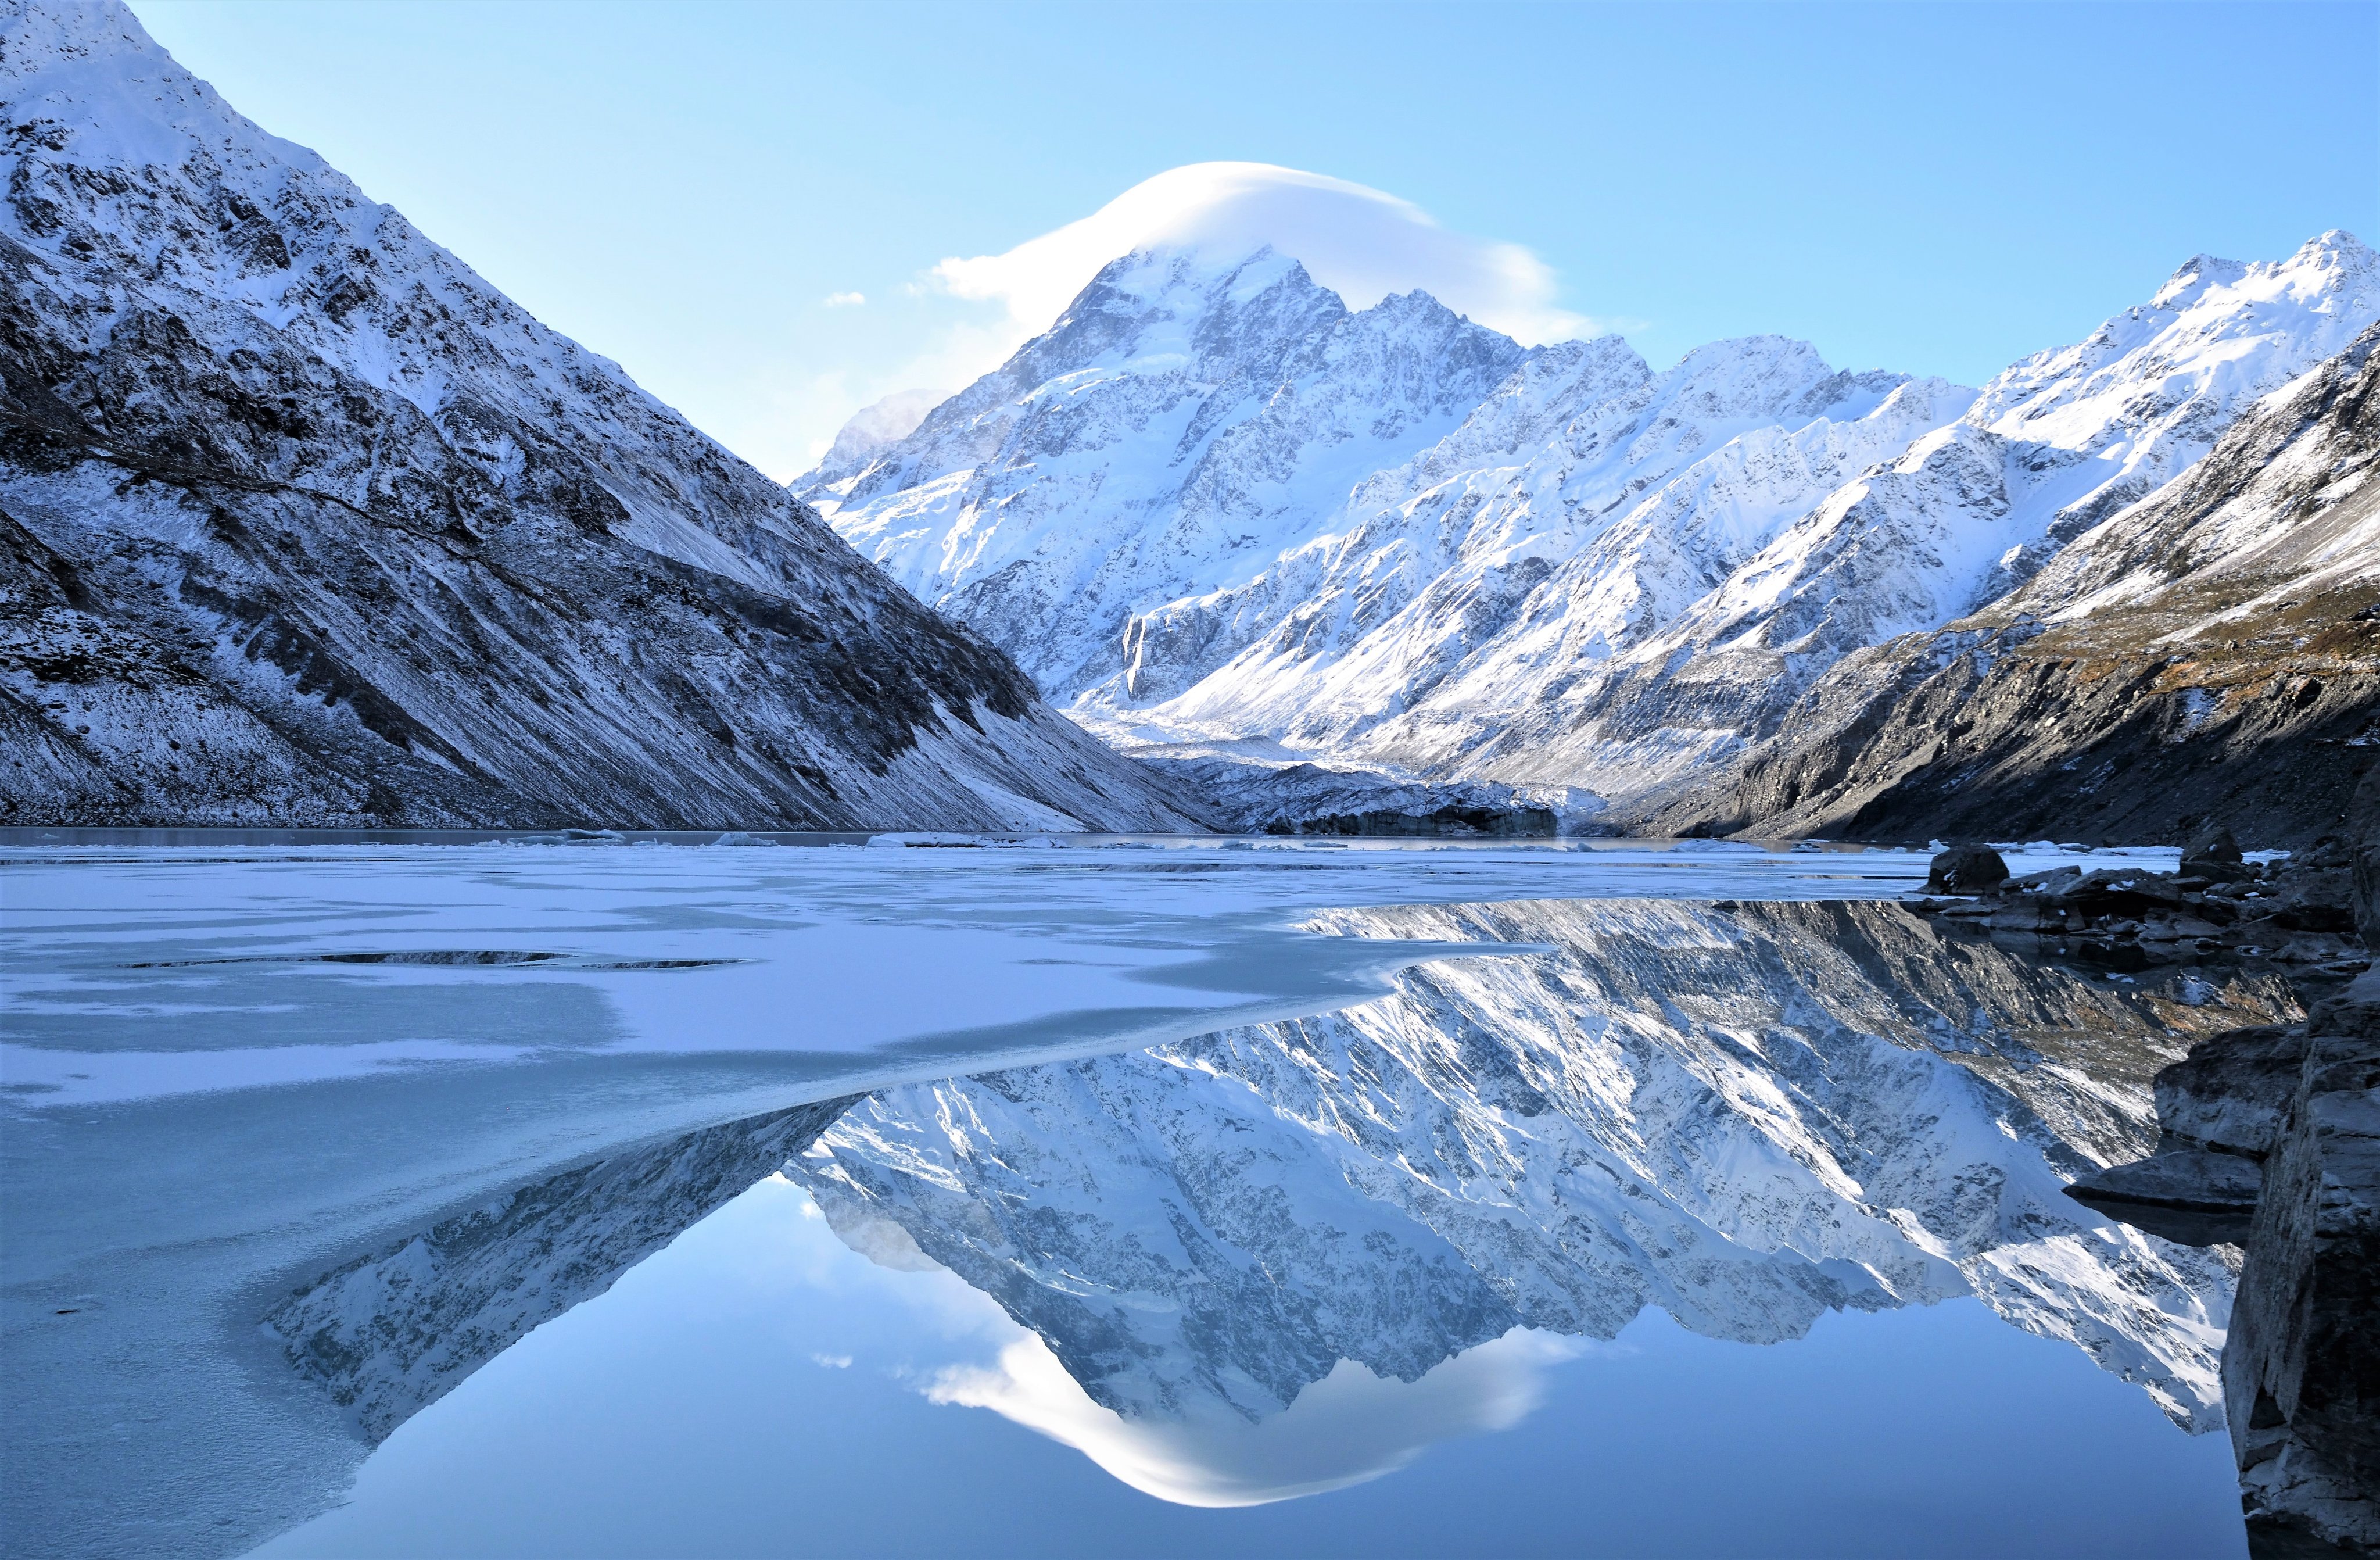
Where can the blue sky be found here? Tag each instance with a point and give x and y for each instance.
(1938, 189)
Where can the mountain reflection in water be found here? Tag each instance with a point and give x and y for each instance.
(1289, 1257)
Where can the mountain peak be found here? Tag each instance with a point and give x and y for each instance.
(2195, 278)
(2336, 249)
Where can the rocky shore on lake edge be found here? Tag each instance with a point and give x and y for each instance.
(2269, 1141)
(2298, 910)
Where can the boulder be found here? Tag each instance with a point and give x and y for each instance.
(1967, 869)
(2187, 1196)
(2213, 843)
(2233, 1091)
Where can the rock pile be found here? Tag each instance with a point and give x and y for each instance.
(2298, 911)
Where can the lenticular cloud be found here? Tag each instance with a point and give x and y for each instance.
(1359, 242)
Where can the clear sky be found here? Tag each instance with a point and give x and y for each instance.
(1934, 187)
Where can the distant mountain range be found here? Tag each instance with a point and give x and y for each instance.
(1218, 515)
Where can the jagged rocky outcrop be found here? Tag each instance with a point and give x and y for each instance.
(1744, 1115)
(2298, 912)
(392, 1332)
(2271, 1140)
(301, 522)
(2211, 652)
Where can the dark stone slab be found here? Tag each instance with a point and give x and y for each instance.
(2187, 1196)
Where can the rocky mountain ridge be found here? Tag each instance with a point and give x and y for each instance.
(303, 523)
(1603, 579)
(2211, 652)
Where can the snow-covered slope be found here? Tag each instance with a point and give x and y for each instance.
(305, 523)
(1600, 577)
(1840, 553)
(1745, 1118)
(1181, 424)
(2052, 447)
(1495, 585)
(2211, 652)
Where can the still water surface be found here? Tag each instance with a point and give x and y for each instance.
(659, 1202)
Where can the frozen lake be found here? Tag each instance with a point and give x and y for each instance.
(644, 1198)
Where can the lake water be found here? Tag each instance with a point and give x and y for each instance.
(529, 1197)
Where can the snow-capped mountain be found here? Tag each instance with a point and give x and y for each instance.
(1182, 424)
(1452, 582)
(2211, 652)
(305, 523)
(2049, 450)
(1600, 577)
(1745, 1117)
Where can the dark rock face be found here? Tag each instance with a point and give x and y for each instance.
(2225, 668)
(2271, 1138)
(1967, 869)
(2302, 1366)
(2188, 1196)
(2234, 1097)
(2363, 832)
(302, 523)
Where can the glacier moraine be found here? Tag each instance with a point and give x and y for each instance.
(747, 1194)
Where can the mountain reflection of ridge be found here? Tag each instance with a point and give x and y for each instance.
(1390, 1216)
(1288, 1257)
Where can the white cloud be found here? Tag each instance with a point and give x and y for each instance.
(1359, 242)
(1349, 1427)
(845, 299)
